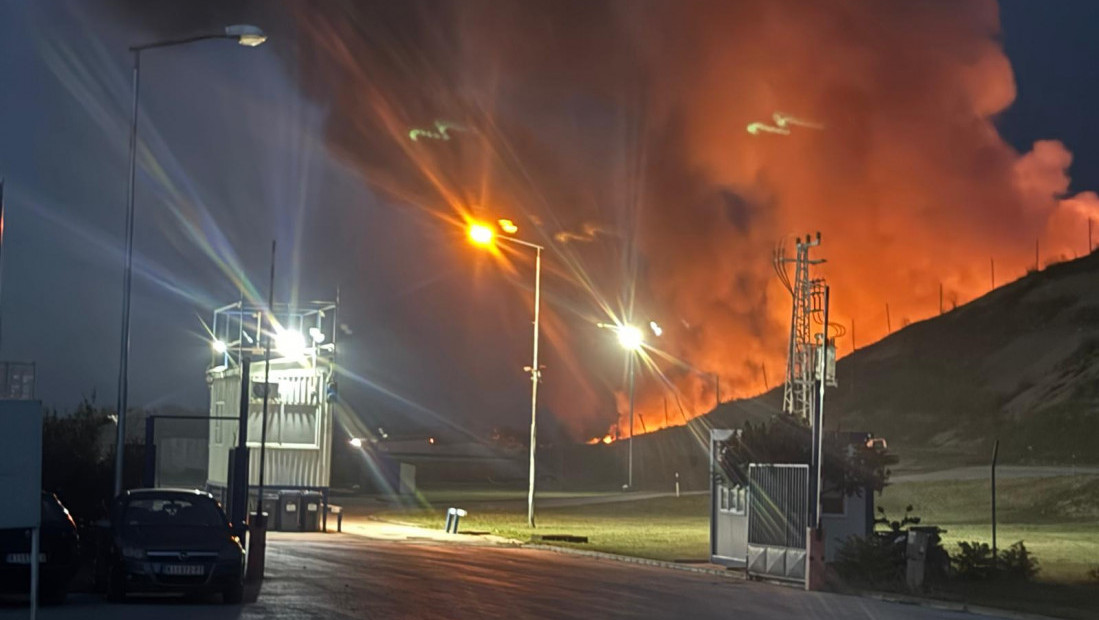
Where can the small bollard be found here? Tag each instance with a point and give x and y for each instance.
(257, 548)
(677, 484)
(452, 517)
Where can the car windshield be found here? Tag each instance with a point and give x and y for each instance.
(177, 512)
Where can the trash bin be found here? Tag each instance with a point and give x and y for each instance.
(289, 513)
(311, 503)
(270, 507)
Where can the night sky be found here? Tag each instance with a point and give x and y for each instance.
(242, 152)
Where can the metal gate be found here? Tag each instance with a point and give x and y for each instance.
(777, 517)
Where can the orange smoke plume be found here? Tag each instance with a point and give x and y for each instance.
(872, 122)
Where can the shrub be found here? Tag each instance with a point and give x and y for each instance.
(1017, 562)
(880, 560)
(976, 562)
(870, 561)
(973, 562)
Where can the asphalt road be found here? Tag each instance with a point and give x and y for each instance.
(345, 576)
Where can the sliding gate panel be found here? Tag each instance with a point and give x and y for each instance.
(777, 517)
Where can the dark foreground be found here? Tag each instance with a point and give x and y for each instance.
(344, 576)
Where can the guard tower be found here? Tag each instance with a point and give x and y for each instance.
(300, 388)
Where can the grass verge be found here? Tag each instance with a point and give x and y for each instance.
(661, 529)
(1056, 518)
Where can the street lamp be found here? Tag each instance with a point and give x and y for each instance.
(481, 234)
(246, 35)
(484, 235)
(631, 339)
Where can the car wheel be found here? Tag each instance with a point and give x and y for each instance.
(233, 594)
(116, 585)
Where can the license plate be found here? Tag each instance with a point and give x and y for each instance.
(182, 569)
(24, 558)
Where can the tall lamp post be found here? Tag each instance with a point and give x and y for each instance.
(632, 339)
(249, 36)
(485, 235)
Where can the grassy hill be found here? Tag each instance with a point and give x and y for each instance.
(1020, 364)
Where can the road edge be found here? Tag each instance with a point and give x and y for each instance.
(614, 557)
(978, 610)
(930, 603)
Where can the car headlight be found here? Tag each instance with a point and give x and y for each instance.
(231, 551)
(133, 553)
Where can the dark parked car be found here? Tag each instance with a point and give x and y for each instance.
(58, 554)
(171, 540)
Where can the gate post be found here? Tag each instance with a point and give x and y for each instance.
(814, 558)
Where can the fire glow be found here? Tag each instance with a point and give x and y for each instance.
(901, 167)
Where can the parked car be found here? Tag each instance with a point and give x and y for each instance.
(58, 552)
(171, 540)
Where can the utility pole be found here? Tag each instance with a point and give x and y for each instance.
(1090, 246)
(992, 271)
(940, 298)
(1036, 266)
(888, 322)
(854, 345)
(797, 395)
(818, 414)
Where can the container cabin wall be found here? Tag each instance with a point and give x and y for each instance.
(224, 402)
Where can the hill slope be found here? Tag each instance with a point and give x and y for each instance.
(1020, 364)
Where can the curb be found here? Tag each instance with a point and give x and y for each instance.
(739, 576)
(614, 557)
(978, 610)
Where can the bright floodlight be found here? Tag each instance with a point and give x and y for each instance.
(219, 346)
(630, 337)
(290, 343)
(246, 34)
(481, 234)
(356, 442)
(316, 334)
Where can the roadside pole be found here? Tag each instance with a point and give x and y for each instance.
(258, 548)
(814, 538)
(995, 455)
